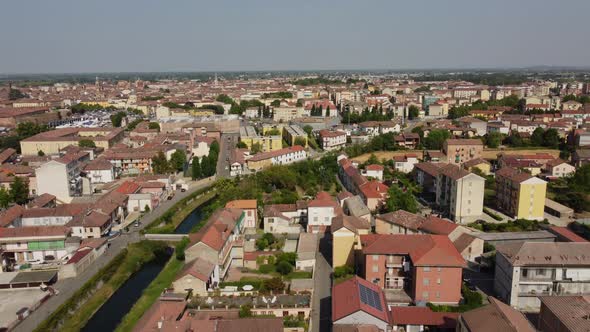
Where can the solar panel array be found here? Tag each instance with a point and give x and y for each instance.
(370, 297)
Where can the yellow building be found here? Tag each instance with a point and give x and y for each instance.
(520, 194)
(103, 103)
(346, 231)
(51, 142)
(480, 164)
(249, 136)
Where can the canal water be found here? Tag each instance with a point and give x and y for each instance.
(192, 219)
(119, 304)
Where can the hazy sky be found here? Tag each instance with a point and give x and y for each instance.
(177, 35)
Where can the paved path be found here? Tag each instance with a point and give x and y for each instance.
(321, 307)
(227, 144)
(67, 287)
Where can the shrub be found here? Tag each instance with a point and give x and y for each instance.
(245, 311)
(180, 247)
(342, 271)
(284, 268)
(274, 284)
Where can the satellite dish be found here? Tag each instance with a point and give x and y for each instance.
(248, 287)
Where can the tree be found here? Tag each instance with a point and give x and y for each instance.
(207, 166)
(551, 138)
(537, 137)
(19, 190)
(146, 208)
(154, 125)
(117, 118)
(300, 141)
(223, 98)
(275, 103)
(308, 129)
(273, 132)
(40, 153)
(28, 129)
(275, 284)
(160, 164)
(86, 143)
(494, 139)
(241, 145)
(400, 200)
(196, 172)
(5, 198)
(177, 160)
(256, 147)
(372, 159)
(284, 268)
(436, 139)
(15, 94)
(245, 311)
(413, 112)
(181, 247)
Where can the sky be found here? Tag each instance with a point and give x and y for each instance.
(74, 36)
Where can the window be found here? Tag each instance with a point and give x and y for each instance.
(426, 282)
(437, 295)
(541, 272)
(424, 295)
(525, 273)
(375, 257)
(375, 268)
(427, 269)
(438, 281)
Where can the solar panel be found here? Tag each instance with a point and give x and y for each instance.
(370, 297)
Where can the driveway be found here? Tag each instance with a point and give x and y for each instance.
(68, 287)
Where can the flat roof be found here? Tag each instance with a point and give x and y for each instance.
(557, 207)
(6, 277)
(34, 276)
(515, 236)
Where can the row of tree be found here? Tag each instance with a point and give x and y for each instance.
(18, 193)
(207, 165)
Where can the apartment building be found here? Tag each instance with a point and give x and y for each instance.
(520, 194)
(219, 241)
(294, 133)
(284, 156)
(61, 177)
(52, 142)
(426, 267)
(528, 270)
(249, 136)
(36, 243)
(332, 139)
(459, 193)
(346, 232)
(459, 151)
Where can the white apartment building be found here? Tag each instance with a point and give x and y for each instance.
(61, 177)
(459, 193)
(532, 269)
(332, 140)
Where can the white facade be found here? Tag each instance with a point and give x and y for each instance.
(461, 198)
(102, 175)
(333, 142)
(58, 179)
(200, 149)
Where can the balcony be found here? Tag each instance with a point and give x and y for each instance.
(394, 261)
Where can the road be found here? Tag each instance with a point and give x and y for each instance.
(67, 287)
(321, 310)
(228, 142)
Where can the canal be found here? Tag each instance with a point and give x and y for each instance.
(192, 219)
(120, 303)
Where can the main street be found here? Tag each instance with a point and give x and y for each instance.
(227, 144)
(68, 287)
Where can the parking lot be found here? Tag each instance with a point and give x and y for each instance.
(12, 301)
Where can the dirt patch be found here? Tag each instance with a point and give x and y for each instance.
(387, 155)
(493, 153)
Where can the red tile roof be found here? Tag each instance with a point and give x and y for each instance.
(424, 250)
(128, 187)
(346, 300)
(423, 316)
(565, 234)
